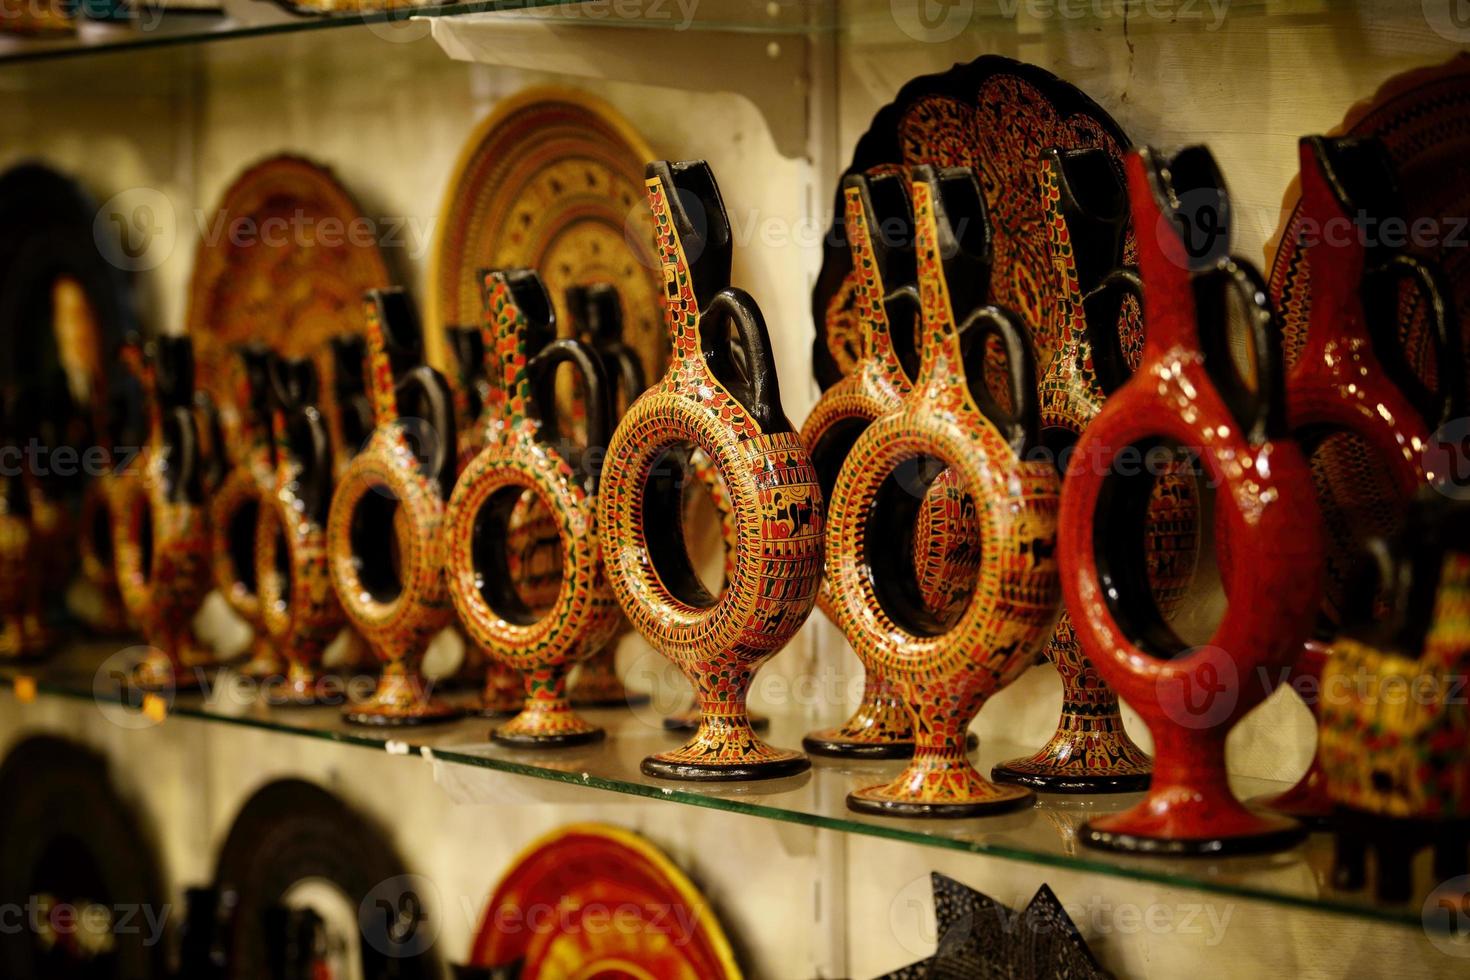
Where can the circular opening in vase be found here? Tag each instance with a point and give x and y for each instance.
(922, 548)
(517, 555)
(373, 536)
(1161, 576)
(240, 543)
(684, 525)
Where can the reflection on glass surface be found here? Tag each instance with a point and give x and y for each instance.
(1044, 833)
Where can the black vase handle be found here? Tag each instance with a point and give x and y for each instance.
(1380, 294)
(181, 444)
(425, 387)
(294, 390)
(752, 379)
(173, 371)
(903, 309)
(700, 222)
(541, 371)
(1259, 408)
(213, 462)
(1102, 309)
(597, 318)
(1020, 426)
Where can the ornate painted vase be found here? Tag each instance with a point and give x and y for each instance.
(597, 314)
(1365, 439)
(299, 607)
(522, 454)
(879, 223)
(731, 410)
(1188, 392)
(1395, 728)
(1085, 208)
(502, 690)
(111, 427)
(347, 408)
(234, 508)
(160, 542)
(944, 672)
(20, 586)
(384, 529)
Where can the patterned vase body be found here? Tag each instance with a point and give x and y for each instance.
(521, 454)
(728, 407)
(944, 672)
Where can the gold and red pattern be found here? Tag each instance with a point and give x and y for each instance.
(515, 460)
(944, 678)
(776, 508)
(551, 181)
(397, 627)
(284, 261)
(593, 901)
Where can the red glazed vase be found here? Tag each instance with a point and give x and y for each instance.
(384, 530)
(521, 454)
(160, 542)
(879, 222)
(951, 420)
(234, 507)
(1085, 208)
(298, 606)
(731, 410)
(1187, 391)
(1342, 403)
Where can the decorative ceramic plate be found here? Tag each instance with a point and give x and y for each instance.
(283, 260)
(996, 115)
(552, 181)
(611, 906)
(1422, 117)
(53, 271)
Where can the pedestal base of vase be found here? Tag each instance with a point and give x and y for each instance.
(725, 748)
(597, 684)
(880, 728)
(301, 687)
(262, 661)
(839, 743)
(158, 671)
(939, 782)
(688, 721)
(1188, 823)
(547, 723)
(401, 699)
(1089, 752)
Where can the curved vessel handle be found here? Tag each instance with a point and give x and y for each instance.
(752, 381)
(302, 433)
(395, 346)
(209, 435)
(1380, 291)
(468, 345)
(1259, 408)
(1021, 426)
(965, 239)
(173, 370)
(597, 320)
(181, 441)
(902, 310)
(1102, 308)
(427, 387)
(541, 370)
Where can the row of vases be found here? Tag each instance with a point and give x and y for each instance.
(953, 537)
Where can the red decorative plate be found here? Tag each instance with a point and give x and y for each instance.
(996, 115)
(283, 260)
(1422, 117)
(593, 902)
(552, 181)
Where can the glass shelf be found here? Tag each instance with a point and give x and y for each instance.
(1043, 834)
(154, 28)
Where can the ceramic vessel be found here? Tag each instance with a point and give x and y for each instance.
(1085, 216)
(20, 586)
(946, 671)
(346, 406)
(234, 508)
(299, 607)
(160, 543)
(384, 529)
(99, 511)
(597, 320)
(1394, 734)
(523, 453)
(1365, 439)
(1187, 392)
(502, 691)
(879, 224)
(734, 416)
